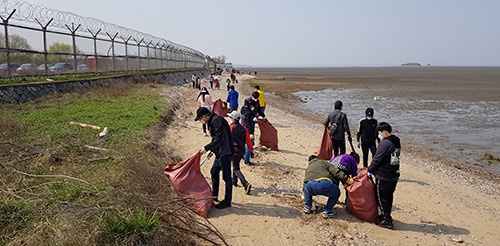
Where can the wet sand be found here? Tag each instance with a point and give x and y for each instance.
(448, 112)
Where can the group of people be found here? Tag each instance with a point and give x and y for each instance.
(323, 177)
(230, 142)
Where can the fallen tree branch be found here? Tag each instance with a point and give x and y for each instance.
(54, 176)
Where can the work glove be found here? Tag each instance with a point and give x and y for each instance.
(251, 136)
(358, 144)
(210, 154)
(260, 117)
(251, 155)
(349, 138)
(349, 181)
(370, 175)
(203, 150)
(254, 119)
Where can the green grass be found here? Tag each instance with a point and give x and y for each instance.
(42, 205)
(133, 221)
(32, 79)
(123, 113)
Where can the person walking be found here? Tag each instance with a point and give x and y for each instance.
(385, 167)
(228, 84)
(262, 100)
(368, 135)
(248, 119)
(222, 146)
(205, 100)
(240, 138)
(322, 178)
(211, 81)
(232, 99)
(193, 80)
(338, 118)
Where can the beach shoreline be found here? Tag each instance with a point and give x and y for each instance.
(434, 204)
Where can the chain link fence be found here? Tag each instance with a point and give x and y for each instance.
(39, 41)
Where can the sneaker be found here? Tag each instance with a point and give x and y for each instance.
(215, 199)
(223, 204)
(248, 188)
(307, 210)
(235, 183)
(329, 215)
(386, 224)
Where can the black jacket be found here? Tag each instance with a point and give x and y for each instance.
(343, 125)
(385, 163)
(367, 130)
(222, 143)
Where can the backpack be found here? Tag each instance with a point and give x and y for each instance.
(335, 125)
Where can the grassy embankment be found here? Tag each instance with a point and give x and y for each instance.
(57, 189)
(63, 77)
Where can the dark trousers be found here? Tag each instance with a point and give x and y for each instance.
(338, 146)
(385, 196)
(237, 174)
(204, 128)
(365, 147)
(223, 164)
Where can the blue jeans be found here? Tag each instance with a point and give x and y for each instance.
(324, 188)
(223, 164)
(246, 157)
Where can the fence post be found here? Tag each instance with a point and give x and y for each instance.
(45, 53)
(139, 51)
(126, 50)
(95, 48)
(7, 46)
(147, 54)
(73, 31)
(113, 49)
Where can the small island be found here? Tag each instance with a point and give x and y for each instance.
(411, 64)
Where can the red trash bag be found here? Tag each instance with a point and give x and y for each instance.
(220, 108)
(188, 181)
(326, 147)
(361, 200)
(268, 134)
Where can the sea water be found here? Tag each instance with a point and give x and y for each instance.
(463, 131)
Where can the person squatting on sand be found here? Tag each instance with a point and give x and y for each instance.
(368, 135)
(240, 138)
(205, 100)
(385, 168)
(322, 178)
(222, 146)
(339, 118)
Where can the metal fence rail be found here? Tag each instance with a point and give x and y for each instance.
(38, 35)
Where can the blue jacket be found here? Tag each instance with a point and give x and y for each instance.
(232, 99)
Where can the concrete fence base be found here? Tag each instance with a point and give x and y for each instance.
(20, 93)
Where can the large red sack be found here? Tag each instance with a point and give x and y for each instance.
(188, 181)
(326, 147)
(361, 201)
(220, 108)
(268, 134)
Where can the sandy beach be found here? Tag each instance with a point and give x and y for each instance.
(436, 202)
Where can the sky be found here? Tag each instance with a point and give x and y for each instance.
(316, 33)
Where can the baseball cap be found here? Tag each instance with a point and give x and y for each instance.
(200, 112)
(235, 115)
(369, 112)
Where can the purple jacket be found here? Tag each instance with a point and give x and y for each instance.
(345, 162)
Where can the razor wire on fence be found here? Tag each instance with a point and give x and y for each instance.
(92, 45)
